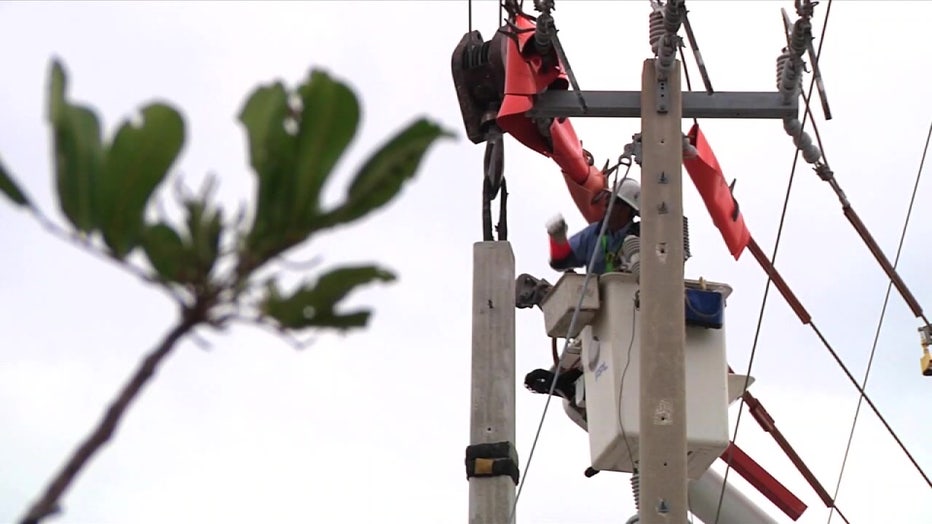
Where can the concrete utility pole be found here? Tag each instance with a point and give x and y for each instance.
(662, 468)
(491, 459)
(662, 460)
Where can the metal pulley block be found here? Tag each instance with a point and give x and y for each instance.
(478, 68)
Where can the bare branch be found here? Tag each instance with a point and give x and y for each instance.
(48, 504)
(83, 244)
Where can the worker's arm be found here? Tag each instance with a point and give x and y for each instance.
(561, 253)
(568, 253)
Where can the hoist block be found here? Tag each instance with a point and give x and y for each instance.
(479, 76)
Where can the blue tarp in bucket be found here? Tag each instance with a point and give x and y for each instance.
(705, 308)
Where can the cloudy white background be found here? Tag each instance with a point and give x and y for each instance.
(372, 427)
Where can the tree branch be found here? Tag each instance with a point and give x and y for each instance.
(84, 244)
(48, 504)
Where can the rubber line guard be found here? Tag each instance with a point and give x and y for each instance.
(493, 459)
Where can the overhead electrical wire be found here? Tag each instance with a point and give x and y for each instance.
(773, 258)
(863, 394)
(894, 280)
(883, 311)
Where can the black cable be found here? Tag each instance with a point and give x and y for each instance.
(773, 259)
(621, 384)
(689, 84)
(818, 136)
(469, 2)
(870, 402)
(883, 311)
(860, 388)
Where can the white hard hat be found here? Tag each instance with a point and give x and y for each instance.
(629, 193)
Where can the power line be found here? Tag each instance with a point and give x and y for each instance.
(469, 16)
(870, 403)
(883, 311)
(857, 386)
(895, 279)
(773, 258)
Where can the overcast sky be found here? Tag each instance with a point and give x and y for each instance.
(372, 427)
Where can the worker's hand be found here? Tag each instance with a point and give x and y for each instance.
(556, 228)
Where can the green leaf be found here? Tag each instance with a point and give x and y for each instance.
(272, 155)
(205, 224)
(382, 176)
(328, 123)
(313, 305)
(11, 189)
(137, 162)
(166, 252)
(78, 152)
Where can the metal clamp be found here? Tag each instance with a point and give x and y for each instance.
(632, 150)
(493, 459)
(925, 361)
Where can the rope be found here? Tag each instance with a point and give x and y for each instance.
(570, 329)
(883, 311)
(773, 258)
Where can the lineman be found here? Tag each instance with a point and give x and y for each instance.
(577, 250)
(566, 254)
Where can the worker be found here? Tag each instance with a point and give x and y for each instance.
(577, 250)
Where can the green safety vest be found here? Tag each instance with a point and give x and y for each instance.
(610, 256)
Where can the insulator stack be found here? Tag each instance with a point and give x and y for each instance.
(686, 252)
(656, 29)
(789, 79)
(673, 16)
(802, 140)
(799, 40)
(782, 61)
(636, 488)
(631, 251)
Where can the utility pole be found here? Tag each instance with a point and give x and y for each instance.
(491, 459)
(662, 450)
(480, 68)
(661, 105)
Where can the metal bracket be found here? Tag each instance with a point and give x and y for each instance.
(696, 104)
(661, 96)
(633, 149)
(530, 291)
(925, 361)
(492, 459)
(925, 332)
